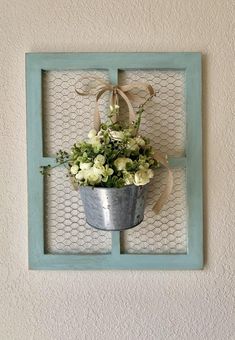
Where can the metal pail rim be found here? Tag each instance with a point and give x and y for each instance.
(111, 188)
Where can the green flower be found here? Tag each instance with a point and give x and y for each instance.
(107, 172)
(128, 178)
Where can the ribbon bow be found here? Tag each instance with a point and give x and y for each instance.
(123, 91)
(117, 90)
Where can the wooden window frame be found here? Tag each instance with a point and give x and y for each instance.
(190, 63)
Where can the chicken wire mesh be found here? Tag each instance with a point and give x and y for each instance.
(67, 117)
(163, 121)
(163, 233)
(65, 226)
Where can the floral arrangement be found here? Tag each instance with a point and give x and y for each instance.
(114, 156)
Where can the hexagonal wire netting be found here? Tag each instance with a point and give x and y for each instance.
(164, 122)
(67, 117)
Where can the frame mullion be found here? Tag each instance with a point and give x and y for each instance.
(116, 246)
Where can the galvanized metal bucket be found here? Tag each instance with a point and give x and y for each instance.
(114, 208)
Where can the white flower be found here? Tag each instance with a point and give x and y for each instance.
(98, 169)
(117, 135)
(85, 166)
(140, 141)
(132, 145)
(143, 177)
(121, 162)
(92, 133)
(116, 107)
(95, 142)
(80, 175)
(100, 159)
(128, 178)
(144, 166)
(89, 175)
(92, 177)
(74, 169)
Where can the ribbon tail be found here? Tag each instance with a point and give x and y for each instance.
(165, 194)
(159, 157)
(113, 102)
(97, 119)
(132, 115)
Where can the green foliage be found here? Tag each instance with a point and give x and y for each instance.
(114, 156)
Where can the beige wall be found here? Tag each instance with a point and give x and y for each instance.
(119, 304)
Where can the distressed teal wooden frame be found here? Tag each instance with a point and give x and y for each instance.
(191, 64)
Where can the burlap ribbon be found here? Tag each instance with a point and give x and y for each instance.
(160, 158)
(124, 92)
(116, 90)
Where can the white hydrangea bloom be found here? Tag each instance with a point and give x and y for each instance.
(121, 162)
(95, 142)
(144, 166)
(117, 135)
(74, 169)
(80, 175)
(98, 169)
(140, 141)
(100, 159)
(132, 145)
(143, 177)
(85, 166)
(92, 177)
(92, 133)
(128, 178)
